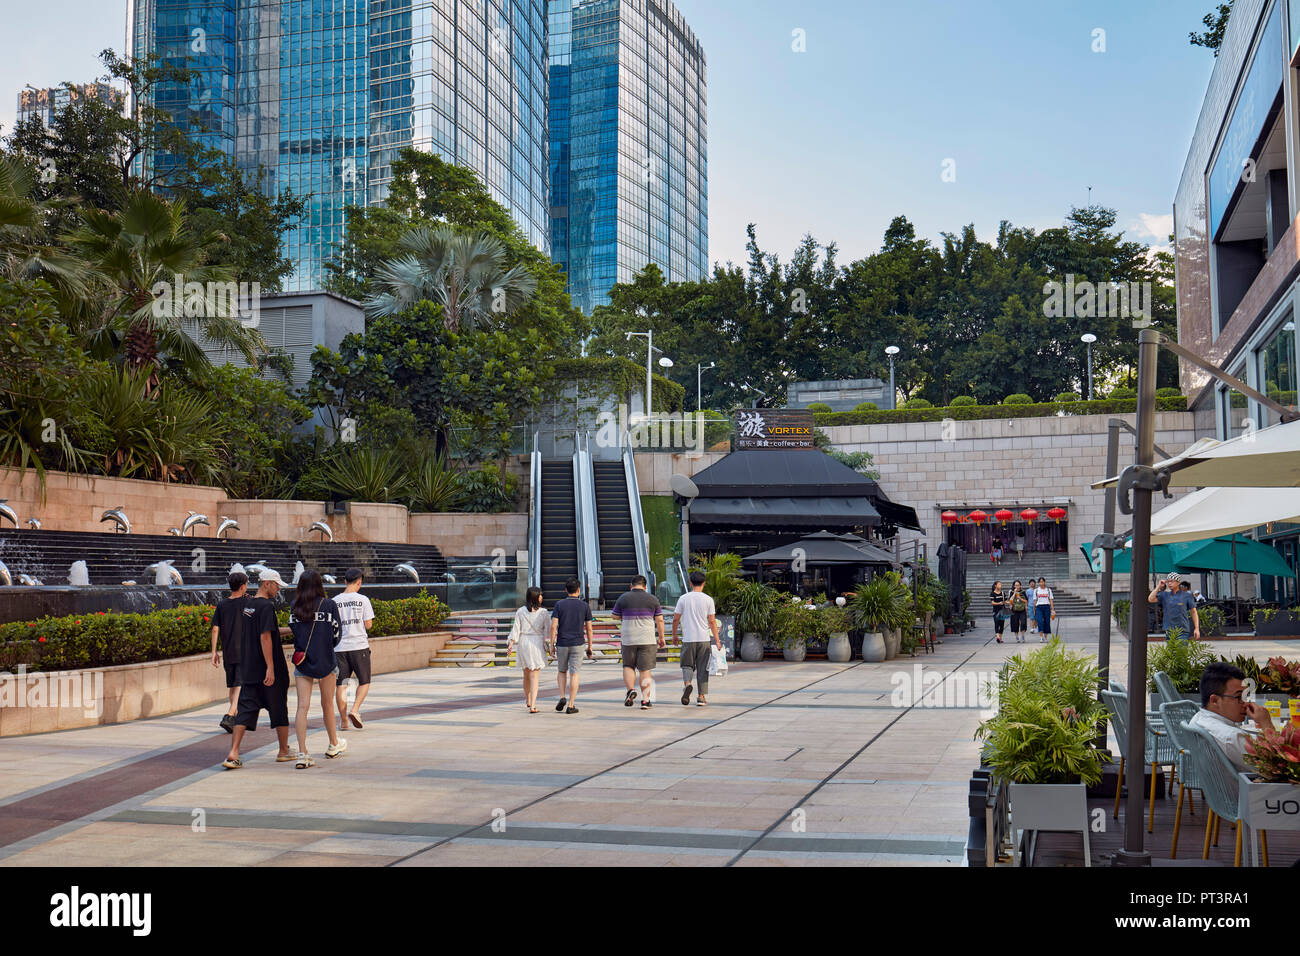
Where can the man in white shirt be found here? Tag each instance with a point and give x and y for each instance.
(696, 614)
(1222, 711)
(353, 651)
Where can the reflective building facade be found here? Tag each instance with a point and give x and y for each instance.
(323, 94)
(628, 129)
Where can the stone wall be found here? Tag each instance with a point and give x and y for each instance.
(471, 534)
(654, 469)
(76, 502)
(1007, 461)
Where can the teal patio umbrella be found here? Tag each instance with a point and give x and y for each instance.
(1162, 559)
(1230, 553)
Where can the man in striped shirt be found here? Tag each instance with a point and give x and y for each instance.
(641, 627)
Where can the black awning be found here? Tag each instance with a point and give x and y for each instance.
(826, 548)
(816, 513)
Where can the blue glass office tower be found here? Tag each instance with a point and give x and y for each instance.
(324, 93)
(628, 129)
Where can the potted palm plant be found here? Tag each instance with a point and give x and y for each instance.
(901, 615)
(1184, 661)
(751, 604)
(872, 609)
(838, 622)
(795, 625)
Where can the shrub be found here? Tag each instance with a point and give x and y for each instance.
(1212, 619)
(752, 605)
(1123, 392)
(1017, 398)
(1101, 406)
(794, 622)
(962, 401)
(1168, 392)
(1066, 397)
(481, 490)
(1182, 660)
(1276, 755)
(865, 407)
(413, 615)
(917, 403)
(819, 407)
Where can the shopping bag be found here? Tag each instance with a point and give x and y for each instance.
(651, 696)
(717, 661)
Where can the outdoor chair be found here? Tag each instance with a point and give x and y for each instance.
(923, 635)
(1159, 749)
(1166, 689)
(1174, 713)
(1218, 778)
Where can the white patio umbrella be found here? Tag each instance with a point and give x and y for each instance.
(1214, 511)
(1267, 458)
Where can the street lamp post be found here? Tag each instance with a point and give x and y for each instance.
(649, 364)
(1087, 339)
(699, 395)
(891, 351)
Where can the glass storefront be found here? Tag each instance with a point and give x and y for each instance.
(1277, 369)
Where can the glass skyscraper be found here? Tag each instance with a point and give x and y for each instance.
(324, 93)
(628, 130)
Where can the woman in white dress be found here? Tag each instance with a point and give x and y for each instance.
(531, 631)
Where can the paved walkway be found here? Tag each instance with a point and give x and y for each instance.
(791, 764)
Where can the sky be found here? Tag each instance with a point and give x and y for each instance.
(946, 111)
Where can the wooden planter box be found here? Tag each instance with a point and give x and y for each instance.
(1281, 624)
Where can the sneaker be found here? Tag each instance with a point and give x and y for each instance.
(304, 762)
(336, 750)
(686, 695)
(228, 724)
(631, 696)
(571, 710)
(559, 708)
(646, 705)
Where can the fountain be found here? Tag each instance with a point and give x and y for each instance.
(189, 523)
(298, 570)
(165, 574)
(258, 568)
(328, 578)
(175, 532)
(34, 524)
(6, 579)
(227, 524)
(79, 575)
(237, 568)
(28, 581)
(7, 512)
(118, 517)
(409, 570)
(323, 528)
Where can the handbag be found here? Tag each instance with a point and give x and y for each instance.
(300, 656)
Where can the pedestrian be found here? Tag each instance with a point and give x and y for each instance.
(999, 601)
(1019, 605)
(996, 554)
(531, 630)
(1223, 712)
(1020, 545)
(1031, 596)
(263, 674)
(1044, 609)
(1177, 608)
(571, 629)
(317, 629)
(353, 652)
(641, 635)
(697, 615)
(227, 632)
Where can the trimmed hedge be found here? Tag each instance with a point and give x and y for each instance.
(865, 407)
(105, 639)
(1101, 406)
(819, 407)
(963, 401)
(918, 403)
(1070, 397)
(1017, 398)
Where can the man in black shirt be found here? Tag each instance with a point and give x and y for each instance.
(570, 624)
(227, 630)
(263, 673)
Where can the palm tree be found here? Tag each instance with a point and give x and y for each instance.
(138, 250)
(464, 272)
(25, 248)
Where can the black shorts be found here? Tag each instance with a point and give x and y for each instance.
(354, 664)
(257, 697)
(232, 672)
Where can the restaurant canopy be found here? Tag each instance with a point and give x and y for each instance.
(826, 548)
(1264, 458)
(792, 488)
(1212, 511)
(1225, 553)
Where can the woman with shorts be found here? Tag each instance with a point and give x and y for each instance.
(317, 628)
(998, 599)
(1019, 605)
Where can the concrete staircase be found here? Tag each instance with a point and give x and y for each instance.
(981, 573)
(479, 639)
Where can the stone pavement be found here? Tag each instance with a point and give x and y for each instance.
(792, 764)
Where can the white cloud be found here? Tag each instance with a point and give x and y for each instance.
(1157, 227)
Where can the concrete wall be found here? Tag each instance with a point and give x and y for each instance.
(654, 470)
(132, 691)
(75, 502)
(1006, 461)
(471, 534)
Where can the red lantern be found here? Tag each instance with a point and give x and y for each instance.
(979, 517)
(1030, 515)
(1003, 515)
(1056, 514)
(948, 517)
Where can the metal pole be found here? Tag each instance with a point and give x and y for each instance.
(699, 398)
(686, 534)
(1090, 375)
(649, 367)
(1134, 853)
(1108, 559)
(893, 393)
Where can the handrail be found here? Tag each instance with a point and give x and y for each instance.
(535, 517)
(638, 519)
(590, 572)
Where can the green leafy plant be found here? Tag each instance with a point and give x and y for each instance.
(819, 407)
(721, 575)
(481, 490)
(434, 486)
(752, 605)
(794, 623)
(918, 403)
(1119, 609)
(362, 473)
(881, 603)
(1018, 398)
(1262, 615)
(865, 407)
(1276, 756)
(1065, 397)
(1182, 660)
(963, 401)
(1212, 619)
(837, 620)
(1280, 677)
(1168, 392)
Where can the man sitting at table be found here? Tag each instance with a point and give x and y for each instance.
(1222, 711)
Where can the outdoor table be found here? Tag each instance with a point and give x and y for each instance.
(1265, 806)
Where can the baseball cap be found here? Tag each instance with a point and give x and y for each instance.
(270, 575)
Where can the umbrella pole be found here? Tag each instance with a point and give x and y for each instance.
(1236, 591)
(1108, 564)
(1134, 853)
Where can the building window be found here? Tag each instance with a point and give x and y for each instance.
(1277, 369)
(1234, 409)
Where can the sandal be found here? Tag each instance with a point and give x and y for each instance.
(232, 763)
(285, 758)
(686, 695)
(304, 762)
(356, 721)
(532, 710)
(631, 696)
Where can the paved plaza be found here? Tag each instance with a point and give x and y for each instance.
(791, 764)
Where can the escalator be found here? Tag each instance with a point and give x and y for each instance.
(618, 551)
(559, 529)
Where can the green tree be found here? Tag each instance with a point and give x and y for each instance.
(1215, 23)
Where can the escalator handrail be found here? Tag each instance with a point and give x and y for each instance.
(535, 517)
(590, 572)
(638, 519)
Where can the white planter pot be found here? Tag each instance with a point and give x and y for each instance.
(795, 652)
(873, 647)
(893, 642)
(1049, 806)
(838, 648)
(751, 647)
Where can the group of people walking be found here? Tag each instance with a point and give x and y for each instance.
(1017, 605)
(565, 631)
(330, 645)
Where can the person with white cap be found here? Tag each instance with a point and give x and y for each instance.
(1176, 607)
(263, 673)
